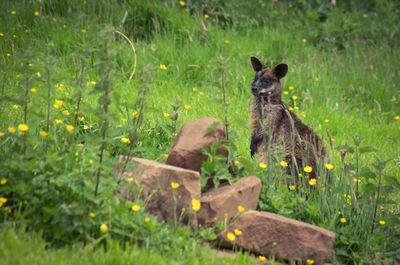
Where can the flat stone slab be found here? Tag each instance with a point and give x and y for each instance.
(269, 234)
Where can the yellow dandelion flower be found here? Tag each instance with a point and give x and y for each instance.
(163, 67)
(290, 5)
(69, 127)
(397, 118)
(284, 13)
(11, 129)
(1, 134)
(310, 261)
(15, 106)
(356, 180)
(33, 90)
(196, 205)
(135, 114)
(291, 87)
(262, 258)
(230, 236)
(296, 108)
(329, 166)
(23, 127)
(304, 40)
(125, 140)
(66, 112)
(238, 232)
(166, 155)
(93, 82)
(294, 97)
(65, 26)
(382, 222)
(312, 182)
(240, 209)
(130, 179)
(1, 34)
(124, 120)
(83, 31)
(194, 89)
(8, 54)
(284, 163)
(166, 115)
(136, 207)
(326, 121)
(290, 108)
(2, 201)
(201, 93)
(227, 41)
(43, 133)
(303, 114)
(308, 169)
(13, 12)
(182, 3)
(292, 187)
(81, 118)
(103, 228)
(262, 165)
(80, 145)
(365, 15)
(236, 162)
(15, 35)
(316, 79)
(92, 214)
(187, 106)
(27, 31)
(59, 121)
(58, 104)
(285, 92)
(206, 16)
(30, 65)
(91, 161)
(36, 13)
(3, 181)
(54, 19)
(147, 219)
(83, 100)
(174, 185)
(343, 220)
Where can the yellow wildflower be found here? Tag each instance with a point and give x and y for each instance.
(33, 90)
(69, 127)
(194, 89)
(136, 207)
(187, 106)
(236, 162)
(201, 93)
(326, 121)
(36, 13)
(262, 165)
(92, 214)
(147, 219)
(8, 54)
(329, 166)
(59, 121)
(174, 185)
(284, 163)
(91, 161)
(65, 26)
(316, 79)
(23, 127)
(240, 209)
(356, 180)
(285, 92)
(292, 187)
(304, 40)
(135, 114)
(13, 12)
(312, 182)
(11, 129)
(163, 67)
(343, 220)
(231, 236)
(130, 179)
(103, 228)
(83, 31)
(15, 106)
(296, 108)
(382, 222)
(196, 205)
(291, 87)
(83, 100)
(294, 97)
(54, 19)
(303, 114)
(124, 120)
(206, 16)
(166, 155)
(58, 104)
(1, 134)
(2, 201)
(125, 140)
(1, 34)
(43, 133)
(397, 117)
(310, 261)
(81, 118)
(290, 108)
(182, 3)
(308, 169)
(93, 82)
(3, 181)
(66, 112)
(262, 258)
(238, 232)
(166, 115)
(227, 41)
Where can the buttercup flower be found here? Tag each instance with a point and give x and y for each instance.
(15, 106)
(292, 187)
(326, 121)
(92, 215)
(291, 87)
(304, 40)
(174, 185)
(11, 129)
(103, 228)
(136, 207)
(237, 232)
(294, 97)
(195, 89)
(58, 104)
(312, 182)
(1, 134)
(93, 82)
(182, 3)
(206, 16)
(66, 112)
(262, 258)
(343, 220)
(308, 169)
(310, 261)
(125, 140)
(33, 90)
(231, 236)
(3, 181)
(187, 106)
(284, 163)
(69, 127)
(382, 222)
(83, 31)
(58, 121)
(240, 209)
(196, 205)
(166, 115)
(329, 166)
(262, 165)
(147, 219)
(23, 127)
(36, 13)
(163, 67)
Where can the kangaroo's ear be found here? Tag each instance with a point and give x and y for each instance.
(280, 70)
(257, 64)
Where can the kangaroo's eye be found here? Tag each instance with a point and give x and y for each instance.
(266, 82)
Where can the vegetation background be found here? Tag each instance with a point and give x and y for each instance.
(68, 110)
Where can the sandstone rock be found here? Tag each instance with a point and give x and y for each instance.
(270, 234)
(222, 203)
(154, 183)
(186, 151)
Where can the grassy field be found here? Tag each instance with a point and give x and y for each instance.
(65, 73)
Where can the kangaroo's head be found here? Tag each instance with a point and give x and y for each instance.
(267, 81)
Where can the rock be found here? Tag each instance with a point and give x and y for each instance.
(186, 151)
(269, 234)
(154, 184)
(220, 204)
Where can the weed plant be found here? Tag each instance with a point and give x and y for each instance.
(68, 110)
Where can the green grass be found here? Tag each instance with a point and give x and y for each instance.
(346, 72)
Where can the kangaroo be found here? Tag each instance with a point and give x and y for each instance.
(274, 126)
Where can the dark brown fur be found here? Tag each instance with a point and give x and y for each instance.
(286, 136)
